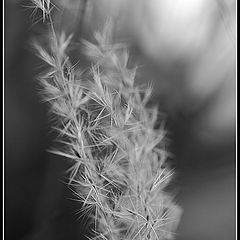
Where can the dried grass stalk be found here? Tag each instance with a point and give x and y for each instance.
(119, 168)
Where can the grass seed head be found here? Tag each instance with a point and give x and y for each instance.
(118, 160)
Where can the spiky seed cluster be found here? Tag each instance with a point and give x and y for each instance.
(118, 160)
(44, 5)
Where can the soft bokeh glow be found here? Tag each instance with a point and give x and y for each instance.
(187, 50)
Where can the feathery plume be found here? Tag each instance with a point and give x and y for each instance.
(119, 164)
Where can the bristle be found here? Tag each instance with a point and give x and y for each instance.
(110, 137)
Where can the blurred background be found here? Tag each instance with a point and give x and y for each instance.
(187, 49)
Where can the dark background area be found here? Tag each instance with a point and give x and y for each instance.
(38, 204)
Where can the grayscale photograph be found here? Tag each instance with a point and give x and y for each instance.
(119, 120)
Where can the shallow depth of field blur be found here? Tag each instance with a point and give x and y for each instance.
(187, 49)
